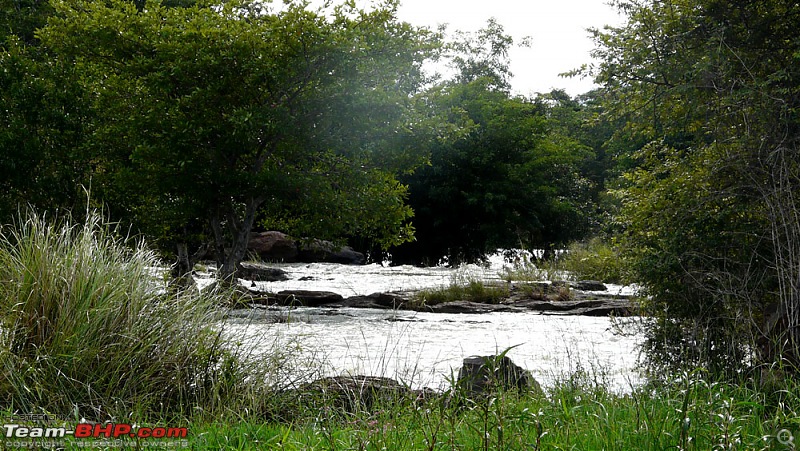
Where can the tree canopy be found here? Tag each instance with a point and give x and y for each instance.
(224, 113)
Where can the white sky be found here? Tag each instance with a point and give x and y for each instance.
(560, 41)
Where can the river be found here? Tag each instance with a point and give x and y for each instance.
(426, 349)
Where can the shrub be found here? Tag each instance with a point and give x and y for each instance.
(593, 260)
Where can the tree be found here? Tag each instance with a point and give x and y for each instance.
(710, 218)
(506, 179)
(227, 112)
(44, 117)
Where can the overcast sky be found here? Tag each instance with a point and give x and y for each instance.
(560, 41)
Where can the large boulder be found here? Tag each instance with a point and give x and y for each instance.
(324, 251)
(273, 246)
(484, 375)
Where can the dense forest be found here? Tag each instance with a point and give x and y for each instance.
(194, 123)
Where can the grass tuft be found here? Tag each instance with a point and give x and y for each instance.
(473, 290)
(88, 330)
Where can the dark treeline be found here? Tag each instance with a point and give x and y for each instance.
(194, 124)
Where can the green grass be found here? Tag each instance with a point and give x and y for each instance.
(690, 413)
(88, 330)
(471, 290)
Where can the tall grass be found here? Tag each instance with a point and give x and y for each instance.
(87, 330)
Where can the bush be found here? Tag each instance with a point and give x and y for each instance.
(593, 260)
(88, 330)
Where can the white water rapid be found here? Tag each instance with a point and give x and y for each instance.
(426, 349)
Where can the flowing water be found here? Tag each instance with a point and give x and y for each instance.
(426, 349)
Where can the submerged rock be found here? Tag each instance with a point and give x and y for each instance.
(261, 273)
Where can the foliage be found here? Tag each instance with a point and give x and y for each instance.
(592, 260)
(44, 117)
(88, 331)
(708, 89)
(508, 179)
(208, 117)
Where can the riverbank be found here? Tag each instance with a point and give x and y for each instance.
(689, 413)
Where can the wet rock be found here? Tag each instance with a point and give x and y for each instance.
(394, 300)
(308, 298)
(279, 247)
(583, 285)
(585, 307)
(589, 285)
(468, 307)
(261, 273)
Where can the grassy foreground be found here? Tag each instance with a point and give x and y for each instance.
(87, 333)
(690, 414)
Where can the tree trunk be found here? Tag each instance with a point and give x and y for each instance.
(240, 232)
(182, 268)
(182, 265)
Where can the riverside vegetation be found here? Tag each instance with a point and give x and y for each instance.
(196, 123)
(89, 335)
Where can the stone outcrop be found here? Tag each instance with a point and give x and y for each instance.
(591, 305)
(470, 307)
(583, 285)
(307, 298)
(535, 297)
(325, 251)
(275, 246)
(483, 375)
(392, 300)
